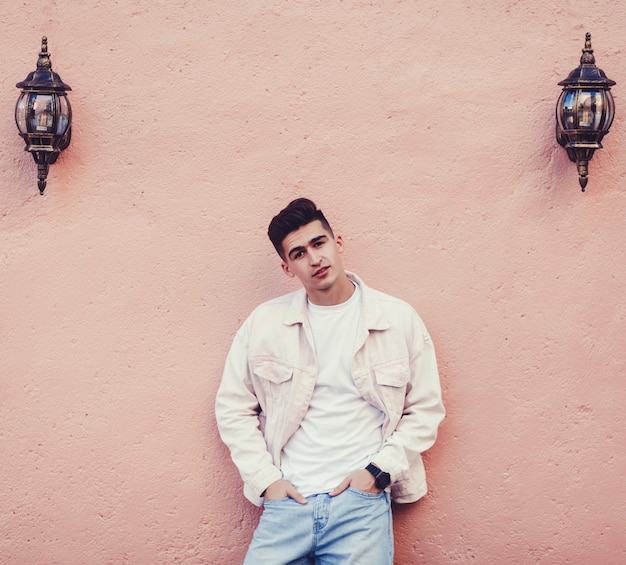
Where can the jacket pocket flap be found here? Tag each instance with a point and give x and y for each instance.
(396, 374)
(272, 371)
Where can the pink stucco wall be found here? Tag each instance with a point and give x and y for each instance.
(424, 129)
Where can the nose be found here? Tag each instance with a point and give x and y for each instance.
(314, 257)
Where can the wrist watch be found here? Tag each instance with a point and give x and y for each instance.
(381, 479)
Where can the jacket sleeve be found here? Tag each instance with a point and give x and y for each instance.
(423, 411)
(237, 413)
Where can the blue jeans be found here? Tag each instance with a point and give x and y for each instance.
(352, 528)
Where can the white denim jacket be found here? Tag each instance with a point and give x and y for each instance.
(270, 375)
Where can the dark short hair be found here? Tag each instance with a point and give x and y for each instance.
(298, 213)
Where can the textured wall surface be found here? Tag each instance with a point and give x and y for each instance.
(425, 130)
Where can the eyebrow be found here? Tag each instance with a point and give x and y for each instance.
(302, 248)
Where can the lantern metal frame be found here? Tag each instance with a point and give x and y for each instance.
(43, 115)
(584, 111)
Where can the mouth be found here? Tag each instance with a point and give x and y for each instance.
(320, 272)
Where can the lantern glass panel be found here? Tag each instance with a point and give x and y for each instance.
(64, 115)
(590, 109)
(567, 108)
(20, 112)
(41, 113)
(610, 110)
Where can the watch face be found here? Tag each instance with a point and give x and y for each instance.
(382, 480)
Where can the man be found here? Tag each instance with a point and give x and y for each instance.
(329, 396)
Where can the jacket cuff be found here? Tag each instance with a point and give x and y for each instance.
(264, 479)
(385, 463)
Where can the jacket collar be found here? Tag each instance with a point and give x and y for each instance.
(371, 312)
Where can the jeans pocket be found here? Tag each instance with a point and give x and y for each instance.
(363, 494)
(276, 501)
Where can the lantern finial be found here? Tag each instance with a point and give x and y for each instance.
(587, 57)
(44, 57)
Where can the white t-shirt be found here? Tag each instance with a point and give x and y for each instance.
(341, 431)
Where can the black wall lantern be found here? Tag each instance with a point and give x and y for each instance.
(584, 112)
(43, 114)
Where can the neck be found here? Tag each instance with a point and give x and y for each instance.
(335, 294)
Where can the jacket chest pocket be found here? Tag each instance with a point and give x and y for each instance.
(275, 378)
(391, 380)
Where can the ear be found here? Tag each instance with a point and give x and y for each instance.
(339, 242)
(286, 270)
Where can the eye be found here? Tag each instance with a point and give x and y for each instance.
(297, 255)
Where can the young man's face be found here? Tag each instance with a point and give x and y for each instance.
(313, 255)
